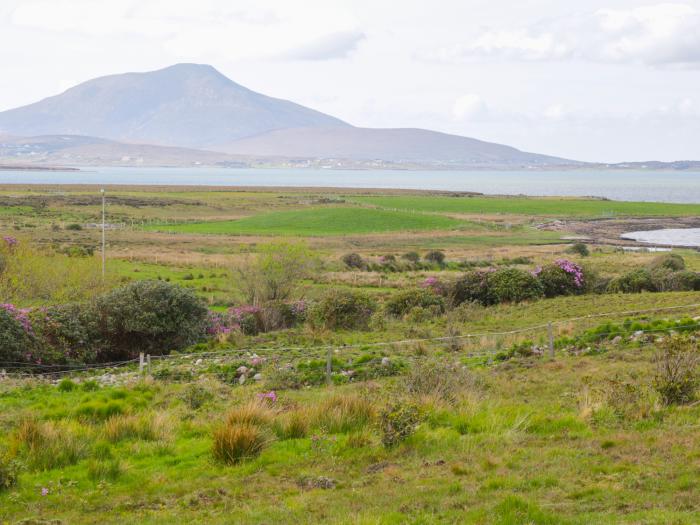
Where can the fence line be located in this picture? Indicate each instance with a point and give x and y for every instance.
(335, 348)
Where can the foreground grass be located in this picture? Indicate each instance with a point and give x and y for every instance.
(563, 207)
(517, 448)
(318, 222)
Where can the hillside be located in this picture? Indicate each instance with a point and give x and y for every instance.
(398, 145)
(186, 105)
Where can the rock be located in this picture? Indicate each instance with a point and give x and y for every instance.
(241, 379)
(242, 370)
(386, 361)
(198, 362)
(617, 340)
(257, 377)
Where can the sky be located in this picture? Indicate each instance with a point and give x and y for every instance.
(600, 80)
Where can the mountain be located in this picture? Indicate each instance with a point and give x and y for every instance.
(72, 150)
(195, 107)
(188, 105)
(395, 145)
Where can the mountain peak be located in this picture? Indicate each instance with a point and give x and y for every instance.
(186, 104)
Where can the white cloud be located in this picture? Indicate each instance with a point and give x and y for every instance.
(333, 45)
(469, 106)
(661, 34)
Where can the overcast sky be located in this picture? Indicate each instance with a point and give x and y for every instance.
(596, 80)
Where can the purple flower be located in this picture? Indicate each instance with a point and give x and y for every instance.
(271, 395)
(10, 241)
(572, 269)
(21, 315)
(44, 491)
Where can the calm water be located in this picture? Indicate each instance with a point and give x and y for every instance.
(664, 186)
(669, 236)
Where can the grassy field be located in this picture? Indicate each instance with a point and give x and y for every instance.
(495, 432)
(319, 222)
(570, 207)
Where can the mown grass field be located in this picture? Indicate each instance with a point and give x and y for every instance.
(570, 207)
(318, 222)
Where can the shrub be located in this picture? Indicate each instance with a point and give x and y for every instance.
(666, 280)
(668, 261)
(412, 257)
(435, 257)
(344, 309)
(277, 315)
(353, 260)
(401, 303)
(150, 316)
(66, 385)
(194, 396)
(9, 471)
(636, 281)
(67, 333)
(74, 227)
(274, 273)
(234, 443)
(248, 319)
(579, 248)
(398, 421)
(440, 378)
(342, 413)
(562, 277)
(511, 285)
(472, 287)
(676, 377)
(15, 338)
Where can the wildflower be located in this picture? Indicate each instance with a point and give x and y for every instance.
(10, 241)
(572, 269)
(271, 395)
(44, 491)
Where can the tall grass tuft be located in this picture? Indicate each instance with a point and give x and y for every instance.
(145, 427)
(48, 445)
(252, 413)
(343, 413)
(237, 442)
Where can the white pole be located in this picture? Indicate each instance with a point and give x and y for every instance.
(103, 234)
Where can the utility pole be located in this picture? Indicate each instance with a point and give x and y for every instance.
(102, 191)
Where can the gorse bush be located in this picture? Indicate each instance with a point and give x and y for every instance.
(344, 309)
(403, 302)
(398, 421)
(149, 316)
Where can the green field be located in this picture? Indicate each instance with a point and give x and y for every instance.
(531, 206)
(319, 222)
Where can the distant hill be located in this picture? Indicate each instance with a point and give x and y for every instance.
(195, 107)
(187, 105)
(396, 145)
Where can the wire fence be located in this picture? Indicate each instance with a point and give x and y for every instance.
(477, 345)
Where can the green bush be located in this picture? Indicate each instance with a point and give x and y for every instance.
(398, 421)
(353, 260)
(579, 248)
(344, 309)
(636, 281)
(472, 287)
(67, 333)
(556, 281)
(668, 261)
(666, 280)
(15, 341)
(412, 257)
(149, 316)
(9, 472)
(511, 285)
(401, 303)
(435, 257)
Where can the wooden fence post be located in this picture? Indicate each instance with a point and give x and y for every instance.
(142, 362)
(148, 363)
(329, 366)
(550, 335)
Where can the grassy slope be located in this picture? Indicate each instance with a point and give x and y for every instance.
(319, 222)
(531, 206)
(517, 451)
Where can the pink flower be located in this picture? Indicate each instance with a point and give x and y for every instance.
(271, 395)
(44, 491)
